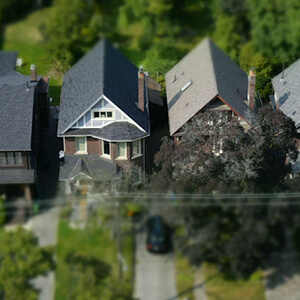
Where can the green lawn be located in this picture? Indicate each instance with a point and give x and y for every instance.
(25, 37)
(219, 287)
(94, 241)
(184, 277)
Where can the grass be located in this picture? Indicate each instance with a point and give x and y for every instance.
(94, 241)
(219, 287)
(25, 37)
(184, 277)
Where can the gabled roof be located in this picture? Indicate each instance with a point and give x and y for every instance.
(93, 166)
(203, 74)
(287, 91)
(8, 62)
(102, 71)
(16, 114)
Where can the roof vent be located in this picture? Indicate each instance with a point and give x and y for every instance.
(186, 86)
(175, 78)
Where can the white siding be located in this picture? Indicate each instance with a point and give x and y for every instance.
(103, 105)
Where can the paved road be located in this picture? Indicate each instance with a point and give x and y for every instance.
(154, 273)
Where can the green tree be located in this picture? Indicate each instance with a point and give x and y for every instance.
(21, 260)
(275, 27)
(2, 211)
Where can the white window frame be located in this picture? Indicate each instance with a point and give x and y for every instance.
(104, 154)
(121, 157)
(103, 111)
(85, 145)
(140, 149)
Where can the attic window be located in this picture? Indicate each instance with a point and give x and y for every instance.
(186, 86)
(102, 115)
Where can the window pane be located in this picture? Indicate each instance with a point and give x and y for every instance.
(2, 159)
(103, 114)
(18, 158)
(10, 158)
(109, 114)
(80, 144)
(96, 114)
(106, 149)
(136, 148)
(121, 149)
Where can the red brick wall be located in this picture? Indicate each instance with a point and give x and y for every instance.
(93, 146)
(70, 147)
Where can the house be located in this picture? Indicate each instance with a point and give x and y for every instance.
(207, 79)
(286, 87)
(23, 116)
(103, 118)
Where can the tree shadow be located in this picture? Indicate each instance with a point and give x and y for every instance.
(79, 264)
(193, 287)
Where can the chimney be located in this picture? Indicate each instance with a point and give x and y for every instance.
(251, 89)
(141, 94)
(33, 76)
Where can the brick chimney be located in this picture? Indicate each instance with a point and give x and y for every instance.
(33, 75)
(251, 89)
(141, 94)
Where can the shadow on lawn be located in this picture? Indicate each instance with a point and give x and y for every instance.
(194, 287)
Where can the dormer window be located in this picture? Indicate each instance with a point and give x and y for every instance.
(103, 115)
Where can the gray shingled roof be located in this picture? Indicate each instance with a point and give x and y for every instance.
(8, 62)
(99, 169)
(16, 117)
(16, 176)
(114, 132)
(287, 91)
(211, 73)
(13, 78)
(102, 71)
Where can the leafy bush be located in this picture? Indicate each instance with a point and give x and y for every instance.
(2, 211)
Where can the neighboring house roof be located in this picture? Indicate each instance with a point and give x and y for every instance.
(99, 169)
(114, 132)
(287, 91)
(13, 78)
(8, 62)
(16, 117)
(16, 176)
(205, 72)
(102, 71)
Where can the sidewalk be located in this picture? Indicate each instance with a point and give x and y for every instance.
(283, 279)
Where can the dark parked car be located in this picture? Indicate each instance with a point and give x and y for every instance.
(158, 237)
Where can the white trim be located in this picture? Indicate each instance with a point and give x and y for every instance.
(111, 141)
(140, 148)
(64, 143)
(122, 157)
(85, 144)
(102, 110)
(130, 120)
(80, 116)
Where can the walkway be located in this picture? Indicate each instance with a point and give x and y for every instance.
(45, 228)
(283, 279)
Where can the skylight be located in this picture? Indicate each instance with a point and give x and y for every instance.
(186, 86)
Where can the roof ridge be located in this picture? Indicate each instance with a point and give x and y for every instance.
(210, 44)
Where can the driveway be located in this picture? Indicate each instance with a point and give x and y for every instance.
(44, 226)
(154, 273)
